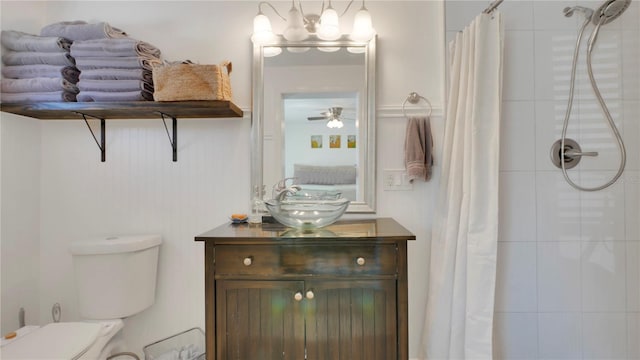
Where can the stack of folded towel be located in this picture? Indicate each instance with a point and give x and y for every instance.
(115, 69)
(37, 68)
(113, 66)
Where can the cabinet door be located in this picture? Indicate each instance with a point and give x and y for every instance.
(259, 320)
(351, 320)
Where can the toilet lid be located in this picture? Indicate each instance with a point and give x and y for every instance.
(53, 341)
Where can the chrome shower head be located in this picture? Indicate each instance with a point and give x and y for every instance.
(588, 13)
(609, 11)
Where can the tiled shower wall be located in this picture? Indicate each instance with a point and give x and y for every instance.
(568, 282)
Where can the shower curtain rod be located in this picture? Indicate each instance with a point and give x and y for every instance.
(492, 6)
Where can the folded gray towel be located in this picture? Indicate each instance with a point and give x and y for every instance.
(113, 85)
(88, 63)
(114, 47)
(37, 85)
(30, 97)
(81, 30)
(33, 58)
(107, 96)
(418, 148)
(69, 73)
(20, 41)
(117, 74)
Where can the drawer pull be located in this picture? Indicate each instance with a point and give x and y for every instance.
(360, 261)
(310, 294)
(248, 261)
(298, 296)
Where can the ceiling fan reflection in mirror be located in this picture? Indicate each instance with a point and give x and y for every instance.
(333, 116)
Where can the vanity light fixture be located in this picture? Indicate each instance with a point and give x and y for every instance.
(325, 26)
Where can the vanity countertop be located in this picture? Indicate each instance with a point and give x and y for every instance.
(380, 229)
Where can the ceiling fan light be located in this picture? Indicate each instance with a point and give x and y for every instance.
(334, 124)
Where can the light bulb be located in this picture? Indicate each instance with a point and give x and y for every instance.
(295, 30)
(262, 32)
(329, 25)
(335, 124)
(362, 26)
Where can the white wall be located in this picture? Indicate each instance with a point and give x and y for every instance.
(20, 209)
(568, 261)
(138, 189)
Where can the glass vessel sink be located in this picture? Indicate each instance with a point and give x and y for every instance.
(306, 212)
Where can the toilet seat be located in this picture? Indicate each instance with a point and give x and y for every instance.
(69, 340)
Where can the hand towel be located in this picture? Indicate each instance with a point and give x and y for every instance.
(114, 85)
(113, 47)
(39, 84)
(81, 30)
(20, 41)
(31, 97)
(117, 74)
(33, 58)
(69, 73)
(133, 62)
(107, 96)
(418, 148)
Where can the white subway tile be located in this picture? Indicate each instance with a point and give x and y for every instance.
(602, 214)
(518, 79)
(559, 276)
(557, 208)
(549, 15)
(517, 136)
(517, 209)
(559, 336)
(603, 276)
(604, 336)
(516, 336)
(516, 277)
(633, 276)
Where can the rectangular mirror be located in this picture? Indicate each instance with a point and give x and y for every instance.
(314, 117)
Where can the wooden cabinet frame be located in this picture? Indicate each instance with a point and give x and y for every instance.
(356, 311)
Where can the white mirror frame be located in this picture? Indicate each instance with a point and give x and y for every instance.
(366, 169)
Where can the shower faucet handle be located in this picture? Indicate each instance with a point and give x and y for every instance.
(572, 152)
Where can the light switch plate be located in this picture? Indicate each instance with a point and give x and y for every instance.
(393, 180)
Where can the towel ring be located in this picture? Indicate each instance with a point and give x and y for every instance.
(414, 98)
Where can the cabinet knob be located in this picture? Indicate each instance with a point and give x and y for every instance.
(247, 261)
(298, 296)
(360, 261)
(310, 294)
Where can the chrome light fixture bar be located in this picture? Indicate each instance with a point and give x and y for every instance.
(300, 26)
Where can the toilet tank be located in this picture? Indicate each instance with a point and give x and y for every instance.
(115, 276)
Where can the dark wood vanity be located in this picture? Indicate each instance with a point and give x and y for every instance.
(338, 293)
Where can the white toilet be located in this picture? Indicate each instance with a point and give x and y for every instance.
(115, 278)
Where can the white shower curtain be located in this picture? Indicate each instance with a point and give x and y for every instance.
(459, 316)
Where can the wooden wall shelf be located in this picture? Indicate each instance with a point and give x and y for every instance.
(124, 110)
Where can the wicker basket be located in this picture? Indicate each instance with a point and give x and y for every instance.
(182, 82)
(189, 344)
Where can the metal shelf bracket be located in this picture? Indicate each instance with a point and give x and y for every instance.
(102, 143)
(172, 140)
